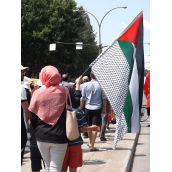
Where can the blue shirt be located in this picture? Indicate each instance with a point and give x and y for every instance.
(81, 123)
(92, 94)
(61, 84)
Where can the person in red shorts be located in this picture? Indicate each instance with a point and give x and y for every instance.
(73, 156)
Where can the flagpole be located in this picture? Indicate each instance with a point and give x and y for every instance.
(83, 74)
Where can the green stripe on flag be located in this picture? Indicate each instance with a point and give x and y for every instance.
(128, 110)
(127, 49)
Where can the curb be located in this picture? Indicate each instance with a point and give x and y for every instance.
(129, 165)
(128, 168)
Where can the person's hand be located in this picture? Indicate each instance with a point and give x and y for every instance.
(93, 128)
(104, 111)
(79, 80)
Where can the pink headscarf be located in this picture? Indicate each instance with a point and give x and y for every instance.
(48, 102)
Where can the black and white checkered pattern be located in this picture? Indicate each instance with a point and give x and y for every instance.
(111, 70)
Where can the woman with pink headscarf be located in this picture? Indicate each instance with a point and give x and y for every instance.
(48, 117)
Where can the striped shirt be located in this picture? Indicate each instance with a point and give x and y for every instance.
(81, 123)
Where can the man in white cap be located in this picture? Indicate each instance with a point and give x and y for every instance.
(85, 79)
(24, 108)
(25, 77)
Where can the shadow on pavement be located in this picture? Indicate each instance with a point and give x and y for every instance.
(123, 149)
(28, 146)
(144, 133)
(25, 161)
(140, 155)
(105, 148)
(109, 136)
(93, 162)
(110, 131)
(109, 139)
(127, 139)
(88, 150)
(145, 126)
(140, 143)
(26, 151)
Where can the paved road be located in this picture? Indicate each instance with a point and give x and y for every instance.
(27, 150)
(141, 160)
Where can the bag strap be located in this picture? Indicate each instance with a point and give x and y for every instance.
(69, 99)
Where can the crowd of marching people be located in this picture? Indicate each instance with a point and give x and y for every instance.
(44, 103)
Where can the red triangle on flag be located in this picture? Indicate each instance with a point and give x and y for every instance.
(131, 35)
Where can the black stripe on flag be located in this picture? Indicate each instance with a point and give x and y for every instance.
(140, 63)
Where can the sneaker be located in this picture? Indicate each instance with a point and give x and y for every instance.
(113, 122)
(103, 139)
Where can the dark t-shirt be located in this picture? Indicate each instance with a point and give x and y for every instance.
(57, 133)
(28, 96)
(32, 138)
(23, 127)
(48, 133)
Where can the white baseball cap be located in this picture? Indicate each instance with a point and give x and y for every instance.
(85, 78)
(39, 83)
(24, 68)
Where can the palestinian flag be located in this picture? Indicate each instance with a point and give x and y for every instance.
(120, 73)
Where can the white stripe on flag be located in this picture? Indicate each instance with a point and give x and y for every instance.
(134, 91)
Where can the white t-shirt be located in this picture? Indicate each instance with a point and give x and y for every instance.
(23, 93)
(25, 79)
(23, 98)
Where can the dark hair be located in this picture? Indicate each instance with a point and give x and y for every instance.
(31, 86)
(64, 77)
(71, 89)
(72, 80)
(92, 75)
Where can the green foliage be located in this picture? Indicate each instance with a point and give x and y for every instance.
(48, 21)
(145, 72)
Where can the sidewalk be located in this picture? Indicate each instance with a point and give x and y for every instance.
(106, 159)
(141, 159)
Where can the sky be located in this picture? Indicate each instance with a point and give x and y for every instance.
(116, 20)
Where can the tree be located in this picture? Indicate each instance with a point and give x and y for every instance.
(145, 72)
(48, 21)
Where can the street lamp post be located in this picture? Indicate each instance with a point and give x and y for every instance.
(99, 24)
